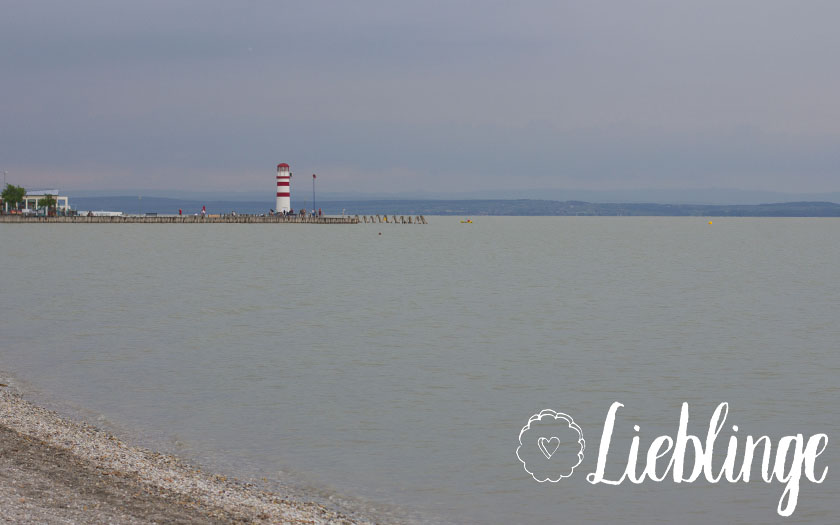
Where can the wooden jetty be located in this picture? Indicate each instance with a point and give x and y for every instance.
(214, 219)
(376, 219)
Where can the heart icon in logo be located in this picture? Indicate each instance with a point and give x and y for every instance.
(548, 446)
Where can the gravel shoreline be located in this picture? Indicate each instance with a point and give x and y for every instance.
(55, 470)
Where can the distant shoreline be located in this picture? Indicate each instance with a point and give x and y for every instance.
(501, 207)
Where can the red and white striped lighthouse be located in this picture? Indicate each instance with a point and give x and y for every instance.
(284, 201)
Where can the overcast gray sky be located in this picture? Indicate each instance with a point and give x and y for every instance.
(439, 96)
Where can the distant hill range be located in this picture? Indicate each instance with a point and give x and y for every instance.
(161, 205)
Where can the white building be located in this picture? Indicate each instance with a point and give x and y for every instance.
(30, 200)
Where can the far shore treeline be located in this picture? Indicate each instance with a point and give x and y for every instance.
(528, 207)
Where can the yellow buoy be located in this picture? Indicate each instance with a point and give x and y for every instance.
(710, 222)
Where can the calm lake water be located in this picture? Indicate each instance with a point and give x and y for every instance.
(399, 369)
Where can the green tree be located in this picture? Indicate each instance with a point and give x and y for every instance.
(13, 195)
(48, 201)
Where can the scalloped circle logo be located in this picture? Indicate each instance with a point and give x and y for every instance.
(551, 445)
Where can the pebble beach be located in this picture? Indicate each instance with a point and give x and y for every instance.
(57, 470)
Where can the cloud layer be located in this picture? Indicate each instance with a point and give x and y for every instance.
(378, 96)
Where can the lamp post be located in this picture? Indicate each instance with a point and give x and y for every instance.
(313, 195)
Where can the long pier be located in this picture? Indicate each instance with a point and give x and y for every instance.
(215, 219)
